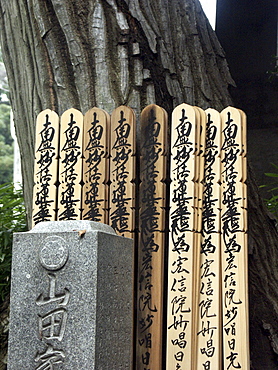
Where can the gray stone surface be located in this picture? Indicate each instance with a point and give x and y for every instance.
(71, 298)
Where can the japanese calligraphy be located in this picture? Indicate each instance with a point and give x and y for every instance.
(70, 176)
(61, 298)
(49, 358)
(52, 320)
(206, 192)
(180, 275)
(151, 238)
(95, 165)
(122, 189)
(46, 166)
(209, 313)
(234, 258)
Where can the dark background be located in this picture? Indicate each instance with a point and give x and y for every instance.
(247, 31)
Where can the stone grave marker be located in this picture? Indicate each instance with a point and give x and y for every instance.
(71, 298)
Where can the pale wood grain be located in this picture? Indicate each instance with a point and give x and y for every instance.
(209, 345)
(123, 171)
(151, 239)
(70, 168)
(180, 316)
(234, 279)
(96, 137)
(46, 167)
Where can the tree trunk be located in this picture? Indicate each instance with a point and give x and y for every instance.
(84, 53)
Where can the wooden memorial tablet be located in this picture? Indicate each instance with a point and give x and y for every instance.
(180, 320)
(46, 167)
(245, 223)
(234, 261)
(122, 171)
(151, 239)
(209, 333)
(70, 168)
(198, 180)
(244, 166)
(96, 137)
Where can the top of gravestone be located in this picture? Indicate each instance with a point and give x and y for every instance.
(67, 226)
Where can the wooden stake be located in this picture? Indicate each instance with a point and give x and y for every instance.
(245, 205)
(209, 348)
(235, 305)
(244, 166)
(180, 321)
(122, 170)
(96, 137)
(70, 171)
(151, 239)
(46, 167)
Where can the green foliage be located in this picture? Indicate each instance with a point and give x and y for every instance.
(5, 131)
(272, 202)
(6, 145)
(6, 140)
(12, 219)
(4, 88)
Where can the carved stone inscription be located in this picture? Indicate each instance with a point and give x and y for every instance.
(151, 239)
(234, 259)
(46, 167)
(180, 275)
(52, 320)
(54, 253)
(96, 166)
(122, 169)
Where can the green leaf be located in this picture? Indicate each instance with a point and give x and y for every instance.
(269, 174)
(12, 219)
(274, 165)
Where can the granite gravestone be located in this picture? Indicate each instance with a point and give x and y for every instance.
(71, 298)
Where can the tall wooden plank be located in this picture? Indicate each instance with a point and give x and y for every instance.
(70, 168)
(198, 181)
(245, 205)
(122, 171)
(235, 305)
(244, 164)
(151, 239)
(209, 348)
(96, 138)
(180, 320)
(46, 167)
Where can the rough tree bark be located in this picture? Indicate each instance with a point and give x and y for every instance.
(84, 53)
